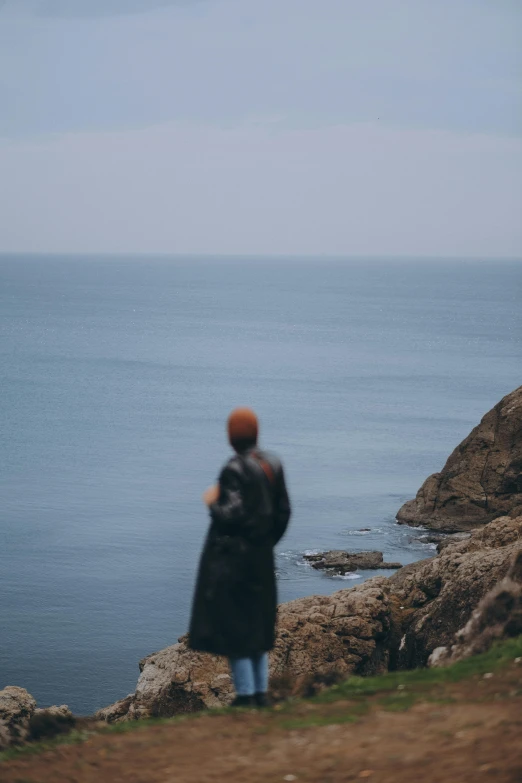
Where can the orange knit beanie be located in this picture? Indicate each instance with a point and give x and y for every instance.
(242, 428)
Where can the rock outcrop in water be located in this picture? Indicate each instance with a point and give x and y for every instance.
(482, 478)
(339, 562)
(385, 623)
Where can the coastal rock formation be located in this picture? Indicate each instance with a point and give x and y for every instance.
(498, 616)
(385, 623)
(451, 539)
(340, 562)
(439, 595)
(442, 540)
(49, 722)
(482, 478)
(351, 631)
(21, 721)
(16, 709)
(172, 681)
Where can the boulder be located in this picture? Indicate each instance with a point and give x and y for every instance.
(21, 721)
(441, 539)
(62, 711)
(482, 478)
(439, 595)
(117, 712)
(17, 706)
(173, 681)
(498, 616)
(451, 539)
(431, 538)
(340, 562)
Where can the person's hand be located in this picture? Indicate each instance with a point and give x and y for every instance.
(211, 495)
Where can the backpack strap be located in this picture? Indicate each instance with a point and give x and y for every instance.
(265, 465)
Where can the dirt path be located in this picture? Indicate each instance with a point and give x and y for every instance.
(460, 733)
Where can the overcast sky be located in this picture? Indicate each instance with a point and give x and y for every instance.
(379, 127)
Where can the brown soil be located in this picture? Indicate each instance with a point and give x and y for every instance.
(460, 733)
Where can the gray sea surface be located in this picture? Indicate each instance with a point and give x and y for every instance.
(116, 377)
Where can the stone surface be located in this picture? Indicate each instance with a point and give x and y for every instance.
(451, 539)
(431, 538)
(439, 595)
(482, 478)
(62, 711)
(441, 539)
(21, 721)
(498, 616)
(118, 711)
(17, 706)
(339, 562)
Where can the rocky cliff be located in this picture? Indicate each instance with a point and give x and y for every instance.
(440, 595)
(21, 720)
(385, 623)
(498, 616)
(482, 478)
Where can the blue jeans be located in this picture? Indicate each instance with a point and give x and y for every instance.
(250, 675)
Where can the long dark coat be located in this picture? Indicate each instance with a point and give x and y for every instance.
(235, 601)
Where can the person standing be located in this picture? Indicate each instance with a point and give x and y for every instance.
(235, 600)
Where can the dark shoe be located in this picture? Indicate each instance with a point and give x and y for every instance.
(244, 701)
(262, 700)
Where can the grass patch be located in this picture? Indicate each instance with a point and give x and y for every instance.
(398, 691)
(356, 688)
(73, 738)
(398, 702)
(77, 736)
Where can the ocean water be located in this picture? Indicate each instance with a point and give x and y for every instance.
(116, 377)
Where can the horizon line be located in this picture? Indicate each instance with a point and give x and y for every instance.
(249, 255)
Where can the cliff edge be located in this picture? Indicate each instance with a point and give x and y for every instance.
(384, 624)
(482, 478)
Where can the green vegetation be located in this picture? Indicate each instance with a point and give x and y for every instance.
(398, 691)
(346, 702)
(31, 748)
(362, 687)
